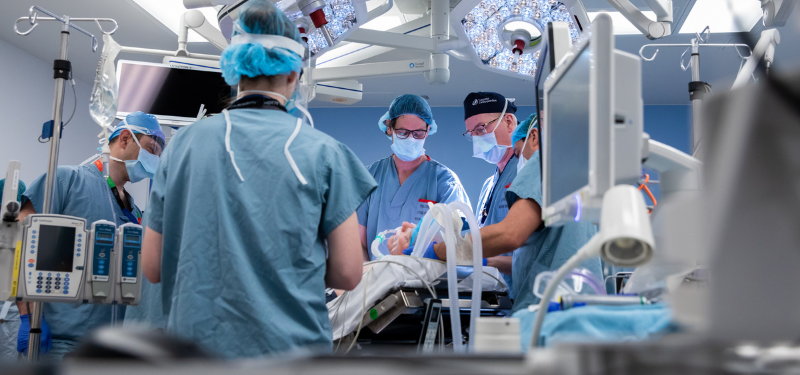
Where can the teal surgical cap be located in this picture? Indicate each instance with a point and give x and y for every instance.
(522, 130)
(408, 104)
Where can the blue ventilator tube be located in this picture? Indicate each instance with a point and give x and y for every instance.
(570, 301)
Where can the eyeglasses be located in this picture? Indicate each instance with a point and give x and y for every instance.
(479, 130)
(403, 133)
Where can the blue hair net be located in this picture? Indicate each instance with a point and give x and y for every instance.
(522, 130)
(253, 60)
(408, 104)
(141, 123)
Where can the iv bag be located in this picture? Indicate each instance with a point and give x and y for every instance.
(103, 102)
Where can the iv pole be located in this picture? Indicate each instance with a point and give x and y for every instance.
(62, 72)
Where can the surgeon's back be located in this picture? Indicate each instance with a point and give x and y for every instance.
(243, 262)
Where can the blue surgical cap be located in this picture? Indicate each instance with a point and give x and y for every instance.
(253, 60)
(141, 123)
(408, 104)
(522, 130)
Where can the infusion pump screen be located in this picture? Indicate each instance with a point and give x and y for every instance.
(56, 246)
(166, 91)
(569, 129)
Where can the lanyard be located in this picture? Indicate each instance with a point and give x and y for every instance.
(258, 102)
(488, 204)
(136, 219)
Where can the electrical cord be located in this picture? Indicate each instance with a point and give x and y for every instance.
(74, 107)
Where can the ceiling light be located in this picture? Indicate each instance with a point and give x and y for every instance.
(621, 24)
(505, 35)
(169, 13)
(721, 16)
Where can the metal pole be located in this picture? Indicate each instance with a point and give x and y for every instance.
(50, 186)
(697, 126)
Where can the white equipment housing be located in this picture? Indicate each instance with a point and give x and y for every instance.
(128, 290)
(776, 12)
(9, 233)
(612, 104)
(659, 28)
(339, 92)
(53, 258)
(100, 271)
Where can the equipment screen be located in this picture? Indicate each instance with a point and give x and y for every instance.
(56, 245)
(106, 236)
(132, 238)
(569, 129)
(162, 90)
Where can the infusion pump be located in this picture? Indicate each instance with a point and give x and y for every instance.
(59, 259)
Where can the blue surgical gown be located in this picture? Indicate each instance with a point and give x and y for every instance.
(496, 209)
(548, 248)
(83, 192)
(243, 263)
(392, 204)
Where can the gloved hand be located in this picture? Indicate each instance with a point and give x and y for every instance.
(429, 253)
(46, 341)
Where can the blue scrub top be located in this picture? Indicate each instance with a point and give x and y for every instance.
(392, 204)
(497, 209)
(548, 248)
(81, 191)
(243, 263)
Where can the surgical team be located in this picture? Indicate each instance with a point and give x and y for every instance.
(253, 213)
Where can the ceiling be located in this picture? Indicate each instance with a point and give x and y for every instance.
(663, 80)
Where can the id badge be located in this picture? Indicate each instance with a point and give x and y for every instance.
(422, 209)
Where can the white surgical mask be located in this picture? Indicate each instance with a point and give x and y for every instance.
(485, 146)
(408, 149)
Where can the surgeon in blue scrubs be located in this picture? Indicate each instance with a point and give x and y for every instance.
(490, 121)
(252, 212)
(82, 191)
(538, 248)
(408, 179)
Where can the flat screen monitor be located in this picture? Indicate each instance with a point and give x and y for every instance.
(56, 247)
(569, 129)
(577, 129)
(172, 94)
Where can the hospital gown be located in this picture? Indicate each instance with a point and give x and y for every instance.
(548, 248)
(243, 263)
(392, 204)
(81, 191)
(496, 209)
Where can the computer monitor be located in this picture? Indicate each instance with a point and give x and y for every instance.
(171, 93)
(577, 129)
(591, 127)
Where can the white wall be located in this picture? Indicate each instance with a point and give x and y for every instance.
(26, 102)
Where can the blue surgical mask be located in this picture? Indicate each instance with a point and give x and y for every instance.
(408, 149)
(485, 146)
(143, 167)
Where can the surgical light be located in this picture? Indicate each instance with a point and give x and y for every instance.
(505, 35)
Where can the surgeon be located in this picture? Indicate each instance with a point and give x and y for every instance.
(408, 179)
(538, 248)
(490, 121)
(252, 213)
(82, 191)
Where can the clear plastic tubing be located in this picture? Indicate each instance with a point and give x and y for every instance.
(477, 267)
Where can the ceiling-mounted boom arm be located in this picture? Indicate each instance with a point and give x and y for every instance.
(659, 28)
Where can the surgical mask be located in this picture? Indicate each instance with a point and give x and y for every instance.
(522, 160)
(298, 105)
(408, 149)
(143, 167)
(485, 146)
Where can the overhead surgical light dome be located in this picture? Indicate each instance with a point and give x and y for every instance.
(505, 35)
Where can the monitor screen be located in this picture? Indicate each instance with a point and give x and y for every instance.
(165, 91)
(569, 129)
(56, 245)
(106, 236)
(132, 238)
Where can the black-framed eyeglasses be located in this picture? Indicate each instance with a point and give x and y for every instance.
(479, 130)
(404, 133)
